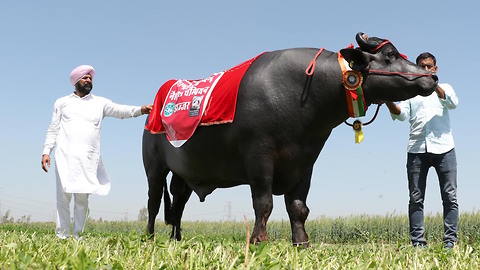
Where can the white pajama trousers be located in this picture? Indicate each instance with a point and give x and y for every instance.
(80, 212)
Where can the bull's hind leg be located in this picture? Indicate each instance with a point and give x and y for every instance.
(156, 184)
(295, 202)
(181, 193)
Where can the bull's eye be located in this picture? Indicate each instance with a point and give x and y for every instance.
(392, 55)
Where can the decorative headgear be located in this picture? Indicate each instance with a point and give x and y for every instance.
(79, 72)
(373, 44)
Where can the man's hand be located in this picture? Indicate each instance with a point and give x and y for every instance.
(146, 109)
(45, 162)
(393, 108)
(440, 92)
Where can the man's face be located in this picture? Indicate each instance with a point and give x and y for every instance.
(428, 65)
(85, 85)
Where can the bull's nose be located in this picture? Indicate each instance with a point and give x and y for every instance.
(435, 77)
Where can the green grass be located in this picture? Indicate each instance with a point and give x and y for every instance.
(357, 242)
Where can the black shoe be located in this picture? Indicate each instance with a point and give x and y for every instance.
(449, 245)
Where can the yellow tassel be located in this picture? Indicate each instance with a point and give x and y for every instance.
(358, 136)
(357, 127)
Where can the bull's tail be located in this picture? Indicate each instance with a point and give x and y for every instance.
(167, 204)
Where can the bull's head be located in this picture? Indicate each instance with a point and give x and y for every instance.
(388, 75)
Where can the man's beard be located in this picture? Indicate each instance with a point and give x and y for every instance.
(84, 89)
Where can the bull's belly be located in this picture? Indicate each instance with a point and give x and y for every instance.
(204, 175)
(204, 178)
(205, 186)
(223, 157)
(218, 173)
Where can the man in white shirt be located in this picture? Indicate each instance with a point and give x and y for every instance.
(75, 131)
(430, 145)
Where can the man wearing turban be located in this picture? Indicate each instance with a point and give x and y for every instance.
(75, 132)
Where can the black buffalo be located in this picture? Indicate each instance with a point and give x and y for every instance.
(282, 121)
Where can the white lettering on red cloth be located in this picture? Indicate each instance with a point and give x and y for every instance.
(184, 107)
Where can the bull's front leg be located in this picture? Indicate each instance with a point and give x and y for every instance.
(295, 202)
(262, 205)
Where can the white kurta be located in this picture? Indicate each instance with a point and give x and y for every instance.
(75, 131)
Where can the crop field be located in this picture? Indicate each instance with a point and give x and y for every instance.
(357, 242)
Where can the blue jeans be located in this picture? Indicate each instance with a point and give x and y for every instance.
(417, 168)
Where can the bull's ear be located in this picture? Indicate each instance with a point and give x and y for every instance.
(357, 59)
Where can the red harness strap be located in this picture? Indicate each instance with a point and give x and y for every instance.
(383, 72)
(311, 68)
(379, 46)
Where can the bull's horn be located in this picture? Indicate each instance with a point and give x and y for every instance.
(361, 38)
(367, 43)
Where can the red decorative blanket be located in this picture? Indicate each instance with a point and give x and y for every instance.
(181, 105)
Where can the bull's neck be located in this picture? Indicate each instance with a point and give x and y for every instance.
(328, 92)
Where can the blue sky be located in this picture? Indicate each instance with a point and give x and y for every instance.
(135, 46)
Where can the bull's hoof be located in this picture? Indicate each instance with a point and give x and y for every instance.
(258, 239)
(176, 233)
(176, 237)
(150, 236)
(302, 244)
